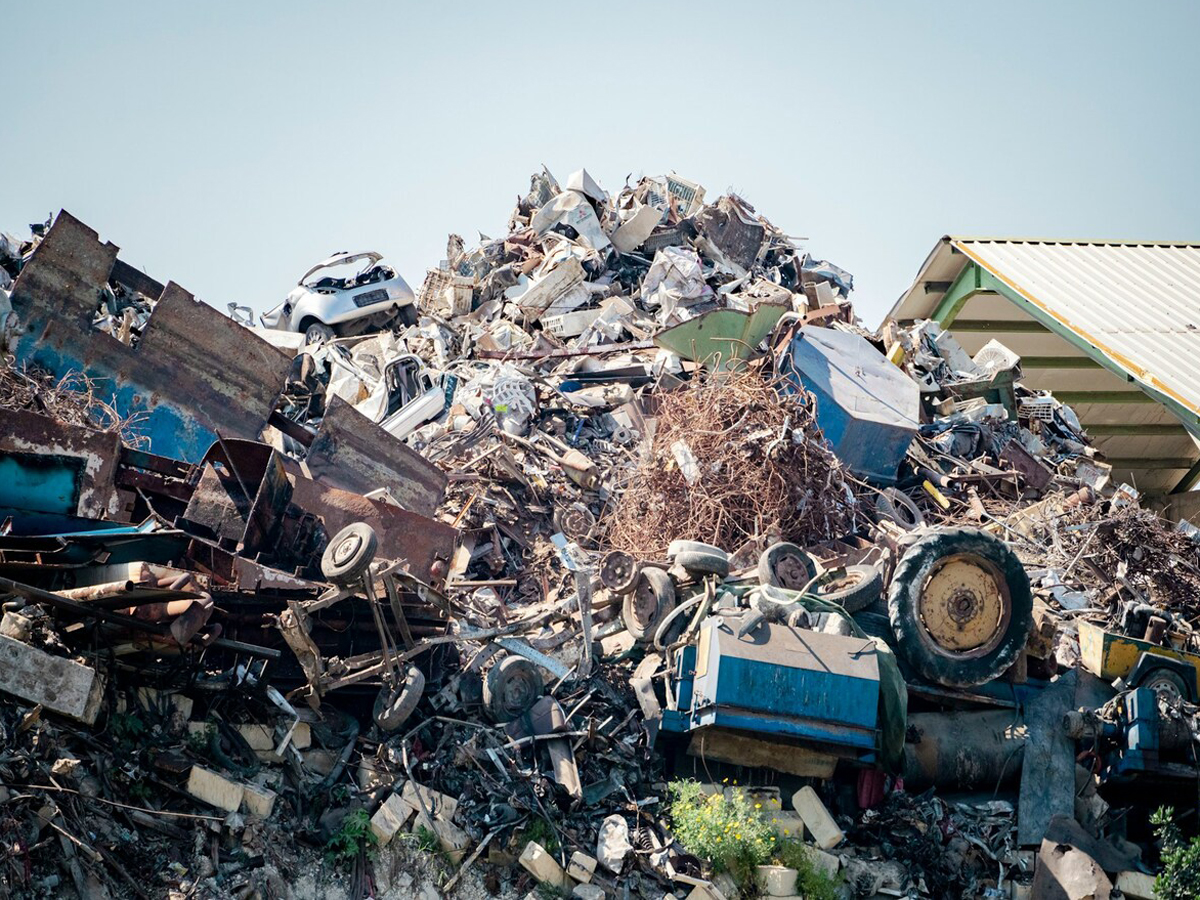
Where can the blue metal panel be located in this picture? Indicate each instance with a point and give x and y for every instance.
(868, 409)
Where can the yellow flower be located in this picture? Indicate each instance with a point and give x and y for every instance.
(758, 806)
(786, 832)
(738, 836)
(726, 781)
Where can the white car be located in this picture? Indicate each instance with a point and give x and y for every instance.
(323, 305)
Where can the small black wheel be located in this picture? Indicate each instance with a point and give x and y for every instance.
(857, 589)
(1166, 682)
(394, 706)
(512, 686)
(651, 601)
(787, 566)
(619, 572)
(960, 606)
(348, 555)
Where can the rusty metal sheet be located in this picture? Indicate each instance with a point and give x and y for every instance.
(83, 463)
(195, 371)
(353, 453)
(402, 534)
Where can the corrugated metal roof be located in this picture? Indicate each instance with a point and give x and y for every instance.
(1137, 303)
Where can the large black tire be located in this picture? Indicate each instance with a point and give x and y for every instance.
(857, 589)
(703, 562)
(787, 566)
(960, 607)
(652, 600)
(348, 555)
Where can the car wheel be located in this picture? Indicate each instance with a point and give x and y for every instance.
(960, 607)
(511, 687)
(652, 600)
(896, 506)
(349, 554)
(787, 566)
(857, 589)
(318, 333)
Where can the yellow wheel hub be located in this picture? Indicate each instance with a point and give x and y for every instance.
(964, 605)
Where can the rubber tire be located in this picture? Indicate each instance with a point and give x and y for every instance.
(860, 595)
(703, 562)
(494, 695)
(908, 631)
(349, 571)
(318, 332)
(676, 547)
(394, 708)
(1169, 675)
(893, 505)
(773, 555)
(660, 584)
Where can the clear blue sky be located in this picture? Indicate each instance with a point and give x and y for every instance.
(228, 146)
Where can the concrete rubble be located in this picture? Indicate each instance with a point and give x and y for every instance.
(620, 508)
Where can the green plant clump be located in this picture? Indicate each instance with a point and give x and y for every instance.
(811, 883)
(352, 838)
(1180, 877)
(730, 831)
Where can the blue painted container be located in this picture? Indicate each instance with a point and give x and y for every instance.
(783, 682)
(868, 409)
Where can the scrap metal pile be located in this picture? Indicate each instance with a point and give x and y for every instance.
(624, 497)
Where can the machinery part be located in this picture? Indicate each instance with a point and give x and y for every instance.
(963, 750)
(619, 572)
(787, 566)
(896, 506)
(703, 562)
(676, 547)
(1164, 675)
(318, 332)
(511, 687)
(648, 604)
(856, 589)
(349, 554)
(394, 705)
(960, 606)
(575, 521)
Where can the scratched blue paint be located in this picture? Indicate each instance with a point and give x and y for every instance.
(172, 431)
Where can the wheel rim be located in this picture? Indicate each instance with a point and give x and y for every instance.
(645, 604)
(617, 571)
(1167, 683)
(847, 582)
(518, 691)
(965, 606)
(346, 549)
(791, 571)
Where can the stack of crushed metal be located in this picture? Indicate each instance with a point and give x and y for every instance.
(624, 497)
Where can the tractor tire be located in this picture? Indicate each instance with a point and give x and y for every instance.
(960, 607)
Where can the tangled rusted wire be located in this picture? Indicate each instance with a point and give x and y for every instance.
(754, 463)
(72, 399)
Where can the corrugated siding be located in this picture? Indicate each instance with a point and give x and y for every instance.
(1139, 303)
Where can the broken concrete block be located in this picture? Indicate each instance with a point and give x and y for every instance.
(371, 778)
(541, 865)
(825, 863)
(262, 737)
(788, 824)
(423, 799)
(588, 892)
(215, 790)
(581, 867)
(816, 818)
(706, 891)
(16, 626)
(1067, 873)
(392, 815)
(777, 881)
(1137, 885)
(452, 839)
(61, 685)
(259, 801)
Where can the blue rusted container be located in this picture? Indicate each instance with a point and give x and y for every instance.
(868, 408)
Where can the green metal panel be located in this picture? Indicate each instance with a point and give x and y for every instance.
(998, 326)
(1102, 430)
(1058, 362)
(1074, 398)
(723, 338)
(965, 286)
